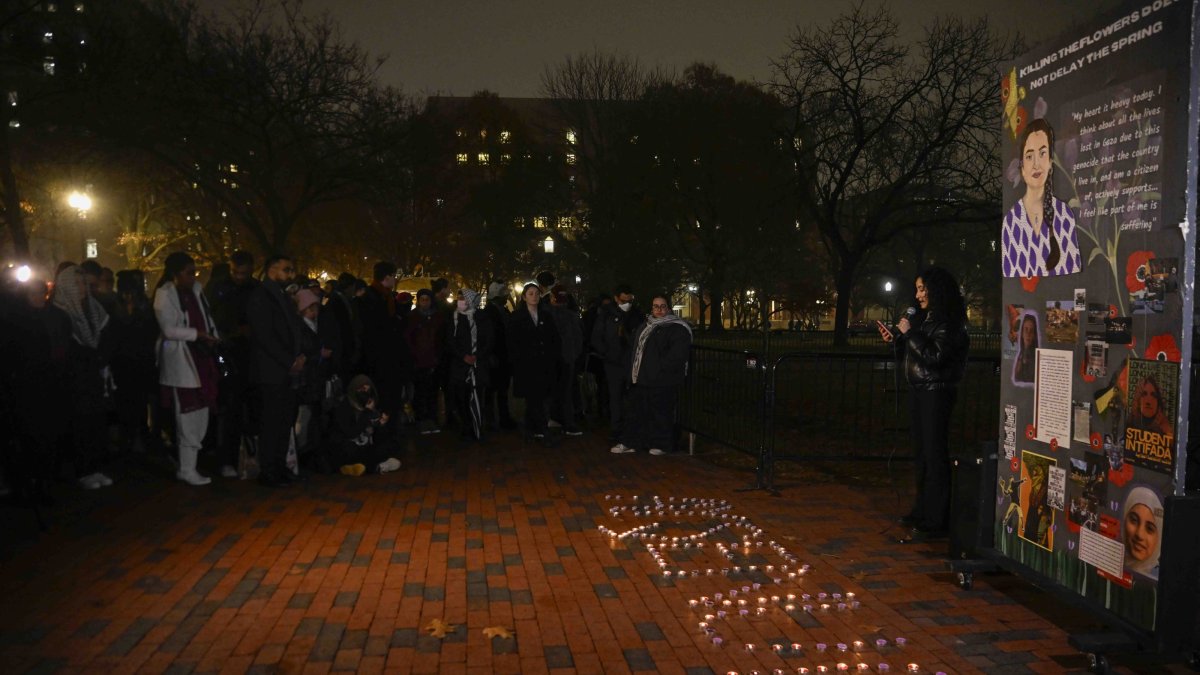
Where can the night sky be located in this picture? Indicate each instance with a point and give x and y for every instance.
(458, 47)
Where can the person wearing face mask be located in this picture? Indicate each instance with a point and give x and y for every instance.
(612, 340)
(425, 335)
(469, 349)
(187, 370)
(276, 365)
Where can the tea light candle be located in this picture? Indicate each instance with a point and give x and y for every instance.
(843, 667)
(914, 668)
(880, 643)
(900, 642)
(858, 645)
(841, 646)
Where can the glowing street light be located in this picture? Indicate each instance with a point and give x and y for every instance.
(80, 202)
(548, 245)
(887, 287)
(24, 273)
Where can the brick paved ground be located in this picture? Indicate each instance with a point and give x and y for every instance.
(347, 573)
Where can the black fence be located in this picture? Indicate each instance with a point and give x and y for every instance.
(822, 406)
(786, 341)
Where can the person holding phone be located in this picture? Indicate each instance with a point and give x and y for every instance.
(934, 343)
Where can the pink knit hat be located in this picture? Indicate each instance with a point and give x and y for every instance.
(306, 298)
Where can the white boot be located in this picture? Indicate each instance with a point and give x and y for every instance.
(187, 467)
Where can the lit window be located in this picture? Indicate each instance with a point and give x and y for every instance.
(48, 65)
(233, 186)
(14, 124)
(12, 98)
(505, 158)
(460, 133)
(540, 222)
(519, 221)
(483, 134)
(483, 158)
(79, 8)
(564, 222)
(233, 168)
(570, 136)
(51, 6)
(571, 158)
(47, 37)
(505, 137)
(571, 179)
(439, 201)
(463, 158)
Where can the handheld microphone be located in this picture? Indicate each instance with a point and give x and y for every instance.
(908, 314)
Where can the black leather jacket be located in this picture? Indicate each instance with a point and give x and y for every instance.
(935, 353)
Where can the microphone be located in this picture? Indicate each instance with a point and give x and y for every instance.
(908, 314)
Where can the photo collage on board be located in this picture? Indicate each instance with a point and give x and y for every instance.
(1092, 319)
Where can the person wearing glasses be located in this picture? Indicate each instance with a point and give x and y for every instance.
(276, 365)
(659, 364)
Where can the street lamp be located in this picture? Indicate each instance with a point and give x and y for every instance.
(548, 245)
(887, 287)
(80, 202)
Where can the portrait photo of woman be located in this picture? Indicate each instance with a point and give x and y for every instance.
(1142, 529)
(1148, 412)
(1025, 364)
(1039, 237)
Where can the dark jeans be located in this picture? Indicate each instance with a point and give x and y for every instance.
(232, 418)
(565, 390)
(460, 398)
(535, 413)
(930, 419)
(425, 394)
(497, 397)
(617, 380)
(650, 420)
(278, 415)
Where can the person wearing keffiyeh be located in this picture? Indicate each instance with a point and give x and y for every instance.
(88, 372)
(469, 344)
(659, 364)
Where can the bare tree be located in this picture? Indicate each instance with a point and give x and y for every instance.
(890, 136)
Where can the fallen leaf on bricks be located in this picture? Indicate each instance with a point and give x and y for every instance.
(497, 632)
(438, 628)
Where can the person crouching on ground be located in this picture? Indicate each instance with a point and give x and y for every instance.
(187, 371)
(357, 444)
(660, 358)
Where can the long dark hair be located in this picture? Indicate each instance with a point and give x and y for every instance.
(944, 296)
(1043, 126)
(172, 266)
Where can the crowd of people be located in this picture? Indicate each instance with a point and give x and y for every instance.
(276, 375)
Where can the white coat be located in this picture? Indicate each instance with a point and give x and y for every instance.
(175, 365)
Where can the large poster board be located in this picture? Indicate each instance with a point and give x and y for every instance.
(1098, 264)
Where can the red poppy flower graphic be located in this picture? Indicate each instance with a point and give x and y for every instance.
(1163, 348)
(1030, 432)
(1138, 261)
(1014, 464)
(1112, 311)
(1029, 283)
(1120, 477)
(1097, 440)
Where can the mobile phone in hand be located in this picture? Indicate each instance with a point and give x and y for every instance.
(887, 331)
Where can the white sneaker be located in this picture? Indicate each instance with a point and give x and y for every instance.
(391, 464)
(621, 449)
(192, 478)
(90, 482)
(657, 452)
(228, 471)
(553, 425)
(102, 479)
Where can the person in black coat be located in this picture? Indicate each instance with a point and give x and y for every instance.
(276, 367)
(135, 332)
(533, 351)
(657, 369)
(470, 338)
(228, 299)
(386, 355)
(499, 370)
(934, 345)
(616, 325)
(357, 442)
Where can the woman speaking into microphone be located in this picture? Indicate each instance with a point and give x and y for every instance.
(934, 341)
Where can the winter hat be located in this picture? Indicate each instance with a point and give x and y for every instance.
(497, 289)
(404, 298)
(425, 292)
(471, 297)
(305, 298)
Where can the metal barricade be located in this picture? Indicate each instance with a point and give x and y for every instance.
(722, 398)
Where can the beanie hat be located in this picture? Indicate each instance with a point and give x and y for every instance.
(426, 292)
(305, 299)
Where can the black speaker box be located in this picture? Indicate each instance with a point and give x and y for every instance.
(972, 501)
